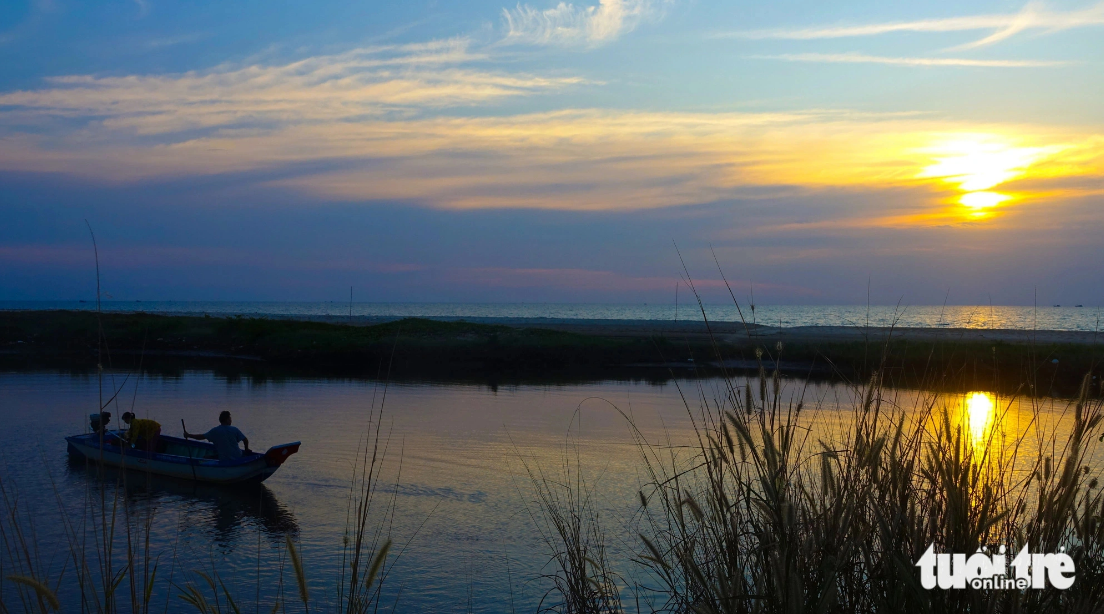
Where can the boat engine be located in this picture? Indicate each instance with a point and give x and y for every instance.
(99, 421)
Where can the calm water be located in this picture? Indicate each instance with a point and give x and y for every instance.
(1028, 318)
(462, 498)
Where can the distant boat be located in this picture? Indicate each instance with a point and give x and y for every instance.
(180, 458)
(1078, 305)
(1057, 305)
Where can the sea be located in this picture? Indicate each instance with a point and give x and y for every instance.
(1055, 317)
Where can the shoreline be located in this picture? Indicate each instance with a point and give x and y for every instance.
(537, 349)
(645, 328)
(944, 317)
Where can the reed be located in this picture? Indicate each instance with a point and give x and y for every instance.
(760, 519)
(774, 508)
(774, 513)
(107, 542)
(582, 579)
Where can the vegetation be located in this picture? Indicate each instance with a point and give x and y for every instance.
(420, 348)
(581, 576)
(772, 511)
(772, 508)
(412, 346)
(110, 567)
(773, 515)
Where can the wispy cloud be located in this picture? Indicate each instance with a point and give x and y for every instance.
(161, 42)
(575, 160)
(367, 125)
(568, 24)
(581, 160)
(860, 58)
(1033, 16)
(352, 85)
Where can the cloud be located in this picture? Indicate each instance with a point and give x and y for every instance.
(160, 42)
(1033, 16)
(356, 84)
(367, 126)
(1030, 16)
(585, 160)
(570, 25)
(860, 58)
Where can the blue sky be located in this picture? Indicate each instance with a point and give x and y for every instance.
(482, 151)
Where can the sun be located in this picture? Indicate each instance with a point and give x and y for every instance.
(976, 163)
(980, 205)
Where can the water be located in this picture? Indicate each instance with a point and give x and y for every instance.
(1069, 318)
(461, 496)
(463, 501)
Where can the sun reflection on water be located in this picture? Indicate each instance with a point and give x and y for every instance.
(980, 414)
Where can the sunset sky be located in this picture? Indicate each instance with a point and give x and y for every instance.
(489, 151)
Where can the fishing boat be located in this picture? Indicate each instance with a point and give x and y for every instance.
(179, 458)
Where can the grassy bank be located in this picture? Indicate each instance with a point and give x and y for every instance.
(419, 348)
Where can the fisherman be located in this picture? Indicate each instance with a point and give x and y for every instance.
(141, 433)
(225, 438)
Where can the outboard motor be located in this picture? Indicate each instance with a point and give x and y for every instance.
(99, 421)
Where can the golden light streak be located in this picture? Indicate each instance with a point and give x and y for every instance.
(980, 415)
(975, 163)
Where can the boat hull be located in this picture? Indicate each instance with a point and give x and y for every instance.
(180, 458)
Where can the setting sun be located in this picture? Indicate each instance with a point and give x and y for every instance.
(977, 163)
(982, 200)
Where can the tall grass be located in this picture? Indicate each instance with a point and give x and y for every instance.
(774, 507)
(761, 518)
(580, 573)
(110, 566)
(776, 511)
(107, 551)
(108, 536)
(780, 505)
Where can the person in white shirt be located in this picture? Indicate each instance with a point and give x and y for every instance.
(225, 438)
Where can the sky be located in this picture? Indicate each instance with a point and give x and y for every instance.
(595, 151)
